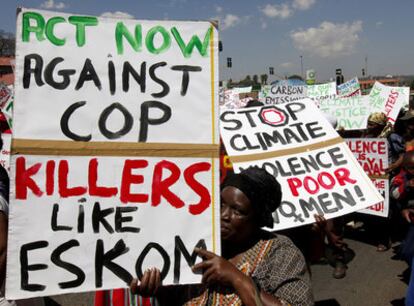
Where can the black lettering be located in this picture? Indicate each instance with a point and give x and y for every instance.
(347, 198)
(120, 219)
(161, 251)
(66, 73)
(55, 257)
(128, 121)
(64, 123)
(186, 76)
(146, 120)
(81, 219)
(88, 73)
(310, 205)
(106, 260)
(98, 217)
(190, 259)
(28, 70)
(313, 130)
(293, 108)
(165, 88)
(25, 267)
(248, 112)
(139, 78)
(237, 123)
(112, 77)
(325, 202)
(55, 227)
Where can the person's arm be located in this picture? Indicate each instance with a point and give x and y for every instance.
(217, 270)
(3, 245)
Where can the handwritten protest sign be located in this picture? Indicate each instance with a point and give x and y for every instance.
(107, 177)
(372, 154)
(230, 98)
(351, 112)
(281, 92)
(320, 92)
(349, 88)
(294, 142)
(388, 100)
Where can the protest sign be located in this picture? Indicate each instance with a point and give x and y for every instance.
(5, 152)
(107, 178)
(349, 88)
(321, 92)
(372, 154)
(295, 143)
(351, 112)
(388, 100)
(281, 92)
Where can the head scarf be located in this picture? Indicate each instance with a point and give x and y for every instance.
(261, 188)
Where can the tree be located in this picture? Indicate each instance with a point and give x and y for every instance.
(255, 79)
(7, 43)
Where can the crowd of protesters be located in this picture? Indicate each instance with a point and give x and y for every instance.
(262, 268)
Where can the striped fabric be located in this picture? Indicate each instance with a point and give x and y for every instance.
(121, 297)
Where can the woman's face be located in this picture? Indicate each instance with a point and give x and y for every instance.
(237, 216)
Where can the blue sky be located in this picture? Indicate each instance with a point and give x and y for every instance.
(328, 34)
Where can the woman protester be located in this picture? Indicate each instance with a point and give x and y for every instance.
(256, 267)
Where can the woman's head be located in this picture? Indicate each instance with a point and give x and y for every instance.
(248, 200)
(376, 123)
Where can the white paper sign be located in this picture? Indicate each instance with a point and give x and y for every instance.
(5, 152)
(388, 100)
(320, 92)
(349, 88)
(283, 91)
(294, 142)
(351, 112)
(372, 154)
(118, 124)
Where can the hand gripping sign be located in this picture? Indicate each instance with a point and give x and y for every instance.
(295, 143)
(106, 177)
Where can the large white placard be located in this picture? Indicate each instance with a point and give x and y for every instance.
(321, 92)
(372, 154)
(295, 143)
(109, 178)
(388, 100)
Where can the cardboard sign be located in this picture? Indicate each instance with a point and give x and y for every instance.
(351, 112)
(107, 178)
(388, 100)
(321, 92)
(294, 142)
(283, 91)
(349, 88)
(372, 154)
(234, 98)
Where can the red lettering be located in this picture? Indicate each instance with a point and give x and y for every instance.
(294, 184)
(128, 178)
(327, 175)
(161, 187)
(50, 177)
(64, 190)
(307, 185)
(342, 176)
(24, 180)
(202, 191)
(95, 190)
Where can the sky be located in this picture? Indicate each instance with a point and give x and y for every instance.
(288, 35)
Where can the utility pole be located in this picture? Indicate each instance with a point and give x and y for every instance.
(301, 66)
(366, 65)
